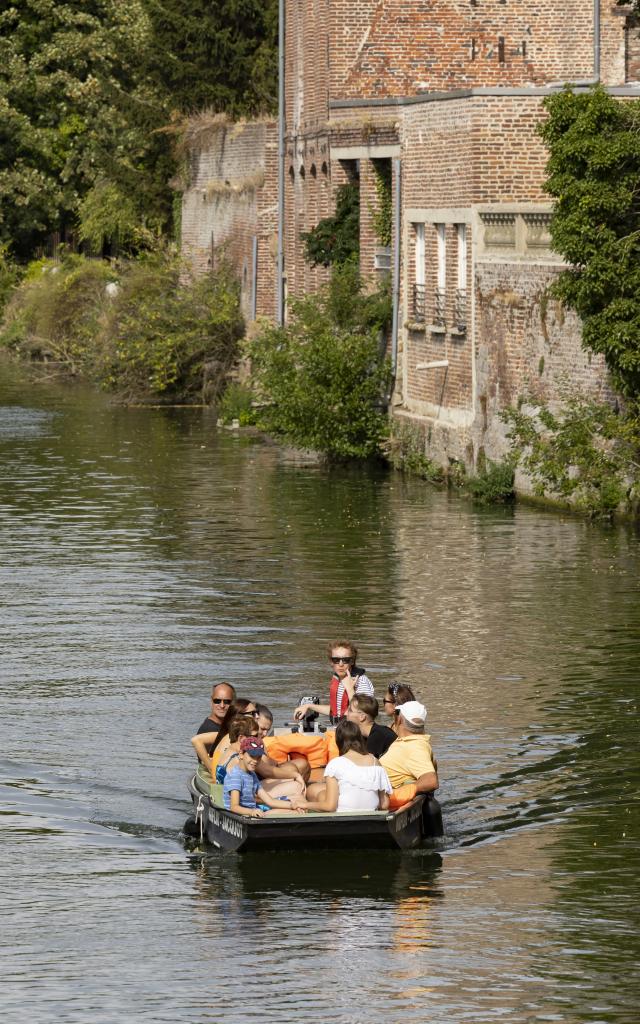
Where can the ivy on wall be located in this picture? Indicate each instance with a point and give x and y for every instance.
(382, 214)
(335, 240)
(593, 174)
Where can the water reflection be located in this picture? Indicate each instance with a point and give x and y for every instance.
(143, 554)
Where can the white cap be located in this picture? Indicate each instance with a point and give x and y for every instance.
(413, 711)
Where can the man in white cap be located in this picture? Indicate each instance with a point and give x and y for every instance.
(410, 758)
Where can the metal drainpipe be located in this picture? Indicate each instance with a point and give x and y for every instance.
(396, 266)
(254, 278)
(281, 129)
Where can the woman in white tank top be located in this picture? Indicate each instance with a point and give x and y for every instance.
(355, 781)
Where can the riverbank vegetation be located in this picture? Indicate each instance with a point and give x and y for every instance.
(141, 328)
(587, 452)
(322, 380)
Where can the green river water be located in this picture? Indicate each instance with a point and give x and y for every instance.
(144, 554)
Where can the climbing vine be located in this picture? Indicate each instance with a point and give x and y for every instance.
(382, 213)
(593, 174)
(335, 240)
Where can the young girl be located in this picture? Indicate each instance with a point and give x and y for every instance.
(243, 791)
(355, 781)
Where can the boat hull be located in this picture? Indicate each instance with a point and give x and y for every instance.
(406, 828)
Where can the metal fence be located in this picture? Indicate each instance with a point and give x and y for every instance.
(419, 303)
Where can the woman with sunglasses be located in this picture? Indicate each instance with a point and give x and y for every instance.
(215, 743)
(397, 694)
(242, 725)
(346, 680)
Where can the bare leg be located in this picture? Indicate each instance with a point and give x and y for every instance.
(277, 788)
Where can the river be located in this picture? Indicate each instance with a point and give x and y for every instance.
(145, 553)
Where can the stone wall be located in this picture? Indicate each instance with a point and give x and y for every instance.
(230, 207)
(454, 91)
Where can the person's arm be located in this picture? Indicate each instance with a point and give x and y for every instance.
(237, 808)
(280, 805)
(300, 712)
(268, 769)
(200, 743)
(383, 800)
(329, 802)
(427, 783)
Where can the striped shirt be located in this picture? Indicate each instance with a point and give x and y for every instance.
(363, 685)
(246, 784)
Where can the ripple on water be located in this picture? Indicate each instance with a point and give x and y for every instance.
(143, 555)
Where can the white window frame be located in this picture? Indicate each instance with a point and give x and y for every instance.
(420, 260)
(461, 231)
(441, 236)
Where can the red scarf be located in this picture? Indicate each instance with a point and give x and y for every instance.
(337, 712)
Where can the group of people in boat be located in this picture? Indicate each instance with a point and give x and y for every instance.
(361, 766)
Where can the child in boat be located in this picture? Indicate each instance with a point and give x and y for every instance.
(243, 791)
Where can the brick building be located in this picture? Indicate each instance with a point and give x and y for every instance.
(442, 97)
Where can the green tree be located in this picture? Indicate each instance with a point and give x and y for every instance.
(77, 112)
(594, 177)
(335, 240)
(323, 377)
(220, 56)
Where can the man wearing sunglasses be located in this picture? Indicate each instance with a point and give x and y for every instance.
(221, 697)
(347, 679)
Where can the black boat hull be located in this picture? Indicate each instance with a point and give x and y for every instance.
(406, 828)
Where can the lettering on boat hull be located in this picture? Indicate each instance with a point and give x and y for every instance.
(228, 825)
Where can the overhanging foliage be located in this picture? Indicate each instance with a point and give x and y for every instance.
(594, 178)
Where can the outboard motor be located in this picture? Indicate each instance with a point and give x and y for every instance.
(309, 716)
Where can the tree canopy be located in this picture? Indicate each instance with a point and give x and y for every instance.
(85, 85)
(220, 56)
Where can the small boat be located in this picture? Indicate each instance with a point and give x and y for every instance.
(406, 828)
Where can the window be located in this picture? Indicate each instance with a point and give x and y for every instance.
(440, 293)
(460, 311)
(418, 288)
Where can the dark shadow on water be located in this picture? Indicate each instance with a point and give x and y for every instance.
(321, 874)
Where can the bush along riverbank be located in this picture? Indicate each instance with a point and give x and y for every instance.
(141, 328)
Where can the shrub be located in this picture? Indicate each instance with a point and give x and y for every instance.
(586, 453)
(323, 376)
(155, 336)
(493, 483)
(166, 337)
(237, 404)
(55, 313)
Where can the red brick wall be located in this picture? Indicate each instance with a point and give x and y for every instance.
(632, 61)
(394, 48)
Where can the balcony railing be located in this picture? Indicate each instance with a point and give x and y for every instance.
(439, 307)
(419, 303)
(460, 309)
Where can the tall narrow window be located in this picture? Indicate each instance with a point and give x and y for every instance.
(439, 304)
(418, 288)
(461, 290)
